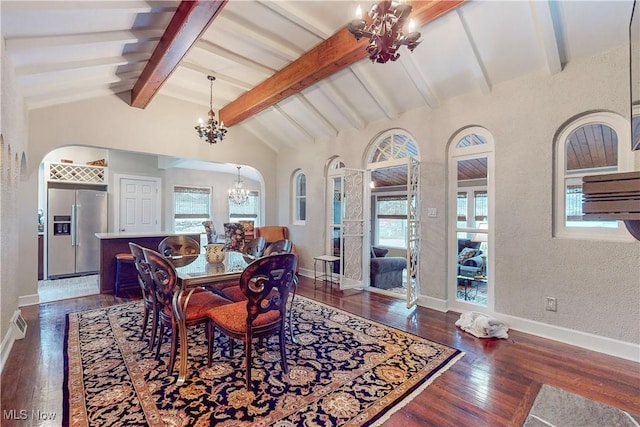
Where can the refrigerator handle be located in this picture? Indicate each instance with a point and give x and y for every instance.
(74, 212)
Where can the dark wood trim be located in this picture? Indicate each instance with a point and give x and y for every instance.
(192, 18)
(328, 57)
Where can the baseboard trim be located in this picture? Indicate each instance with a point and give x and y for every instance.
(5, 347)
(609, 346)
(612, 347)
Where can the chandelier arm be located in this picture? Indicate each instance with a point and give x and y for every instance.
(211, 132)
(385, 30)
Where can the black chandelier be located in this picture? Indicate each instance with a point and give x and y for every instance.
(210, 130)
(385, 30)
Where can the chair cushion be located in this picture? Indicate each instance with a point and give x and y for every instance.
(233, 317)
(234, 293)
(201, 302)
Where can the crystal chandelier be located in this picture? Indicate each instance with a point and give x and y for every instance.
(238, 195)
(210, 131)
(385, 30)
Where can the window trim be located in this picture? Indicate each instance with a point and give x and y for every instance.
(208, 190)
(625, 163)
(376, 216)
(297, 198)
(252, 217)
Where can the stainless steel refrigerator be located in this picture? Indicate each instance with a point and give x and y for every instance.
(74, 216)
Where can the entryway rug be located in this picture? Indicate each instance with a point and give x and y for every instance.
(344, 370)
(555, 407)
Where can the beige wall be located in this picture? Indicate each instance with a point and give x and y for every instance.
(165, 127)
(596, 283)
(13, 143)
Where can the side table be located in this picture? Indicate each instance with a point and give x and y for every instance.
(326, 275)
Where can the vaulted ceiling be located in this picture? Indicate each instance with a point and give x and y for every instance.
(65, 51)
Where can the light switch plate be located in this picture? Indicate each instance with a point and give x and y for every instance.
(432, 212)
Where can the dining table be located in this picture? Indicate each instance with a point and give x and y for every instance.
(193, 272)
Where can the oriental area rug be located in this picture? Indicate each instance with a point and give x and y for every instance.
(344, 370)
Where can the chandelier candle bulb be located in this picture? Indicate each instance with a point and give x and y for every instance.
(385, 30)
(211, 132)
(238, 195)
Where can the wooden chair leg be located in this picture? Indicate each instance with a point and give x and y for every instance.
(293, 336)
(247, 360)
(145, 320)
(210, 338)
(283, 350)
(160, 336)
(174, 347)
(154, 328)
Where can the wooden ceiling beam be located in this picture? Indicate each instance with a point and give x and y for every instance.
(328, 57)
(190, 20)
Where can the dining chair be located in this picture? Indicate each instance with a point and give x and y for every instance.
(266, 283)
(254, 247)
(235, 294)
(148, 289)
(282, 246)
(190, 306)
(178, 245)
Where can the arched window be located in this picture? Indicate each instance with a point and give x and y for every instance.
(393, 144)
(334, 206)
(590, 145)
(299, 197)
(471, 219)
(389, 187)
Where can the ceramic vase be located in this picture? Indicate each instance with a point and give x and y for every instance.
(215, 252)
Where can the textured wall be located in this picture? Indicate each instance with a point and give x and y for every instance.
(12, 161)
(596, 283)
(165, 127)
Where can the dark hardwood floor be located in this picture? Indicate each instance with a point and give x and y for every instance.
(494, 384)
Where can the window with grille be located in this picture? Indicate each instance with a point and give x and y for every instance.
(191, 206)
(588, 146)
(249, 211)
(391, 221)
(300, 198)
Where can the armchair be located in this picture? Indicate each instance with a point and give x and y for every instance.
(386, 272)
(469, 258)
(273, 233)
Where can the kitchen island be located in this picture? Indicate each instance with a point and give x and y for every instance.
(115, 243)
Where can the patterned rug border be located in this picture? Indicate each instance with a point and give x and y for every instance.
(376, 420)
(418, 388)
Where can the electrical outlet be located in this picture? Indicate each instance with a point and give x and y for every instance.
(551, 304)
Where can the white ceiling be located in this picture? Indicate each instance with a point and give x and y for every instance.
(66, 51)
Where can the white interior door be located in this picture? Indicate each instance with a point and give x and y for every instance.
(139, 204)
(352, 230)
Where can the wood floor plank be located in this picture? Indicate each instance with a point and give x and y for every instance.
(494, 384)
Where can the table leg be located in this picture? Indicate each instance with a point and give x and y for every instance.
(315, 274)
(182, 332)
